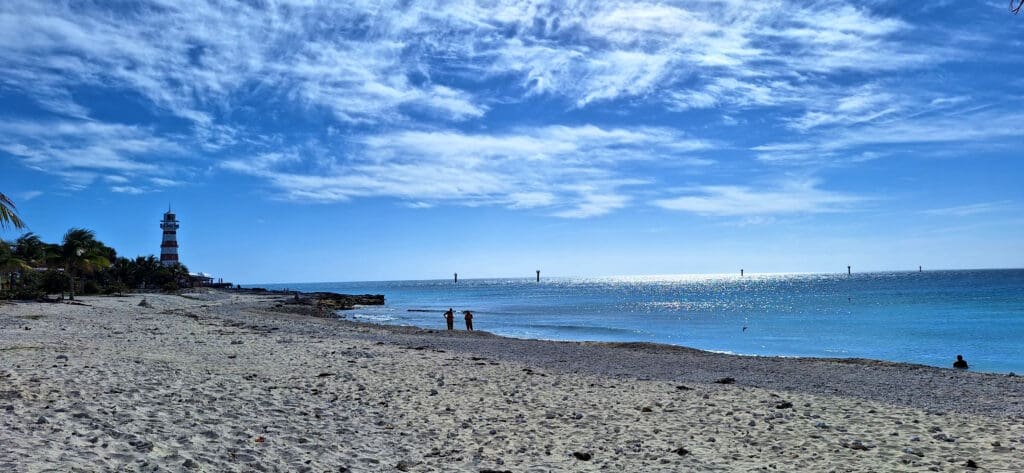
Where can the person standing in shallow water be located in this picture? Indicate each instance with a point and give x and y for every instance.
(960, 362)
(449, 317)
(469, 320)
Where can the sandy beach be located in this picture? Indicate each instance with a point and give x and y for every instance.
(237, 382)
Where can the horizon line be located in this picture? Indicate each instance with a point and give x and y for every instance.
(662, 275)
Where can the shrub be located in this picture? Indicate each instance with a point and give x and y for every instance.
(54, 281)
(22, 294)
(116, 288)
(90, 287)
(170, 286)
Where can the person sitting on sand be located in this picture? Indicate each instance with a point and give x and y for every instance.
(960, 363)
(449, 317)
(469, 320)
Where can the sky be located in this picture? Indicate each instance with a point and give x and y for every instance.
(302, 141)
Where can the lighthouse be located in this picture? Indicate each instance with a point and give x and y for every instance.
(169, 245)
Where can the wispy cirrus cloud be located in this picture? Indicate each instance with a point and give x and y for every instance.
(365, 62)
(78, 150)
(864, 104)
(793, 196)
(978, 127)
(571, 172)
(972, 209)
(335, 101)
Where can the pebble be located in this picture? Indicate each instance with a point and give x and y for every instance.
(726, 380)
(405, 465)
(784, 405)
(857, 445)
(681, 451)
(42, 420)
(582, 456)
(914, 451)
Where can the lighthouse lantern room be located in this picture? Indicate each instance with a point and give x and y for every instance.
(169, 245)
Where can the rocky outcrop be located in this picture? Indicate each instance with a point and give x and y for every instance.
(333, 301)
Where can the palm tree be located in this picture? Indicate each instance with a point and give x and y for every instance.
(8, 215)
(178, 274)
(123, 270)
(31, 249)
(146, 268)
(82, 253)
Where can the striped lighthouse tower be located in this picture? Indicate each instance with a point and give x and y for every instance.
(169, 245)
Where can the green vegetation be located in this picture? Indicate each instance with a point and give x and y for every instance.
(7, 214)
(31, 268)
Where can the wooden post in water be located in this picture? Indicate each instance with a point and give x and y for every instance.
(919, 269)
(741, 273)
(538, 275)
(456, 277)
(848, 271)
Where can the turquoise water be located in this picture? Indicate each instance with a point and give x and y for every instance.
(925, 318)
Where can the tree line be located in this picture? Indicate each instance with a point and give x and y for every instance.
(80, 264)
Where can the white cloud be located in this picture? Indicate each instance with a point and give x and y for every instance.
(867, 103)
(368, 63)
(61, 146)
(164, 182)
(128, 190)
(573, 172)
(406, 91)
(790, 197)
(593, 203)
(971, 209)
(29, 195)
(979, 126)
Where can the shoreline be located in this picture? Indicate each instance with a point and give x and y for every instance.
(356, 301)
(668, 346)
(239, 382)
(860, 377)
(897, 383)
(880, 317)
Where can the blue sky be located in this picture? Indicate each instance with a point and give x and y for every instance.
(363, 140)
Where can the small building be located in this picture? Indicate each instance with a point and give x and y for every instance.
(199, 280)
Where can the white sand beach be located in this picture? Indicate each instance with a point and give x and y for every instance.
(227, 382)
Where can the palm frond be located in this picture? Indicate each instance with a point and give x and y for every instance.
(8, 216)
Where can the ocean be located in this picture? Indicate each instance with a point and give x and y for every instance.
(916, 317)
